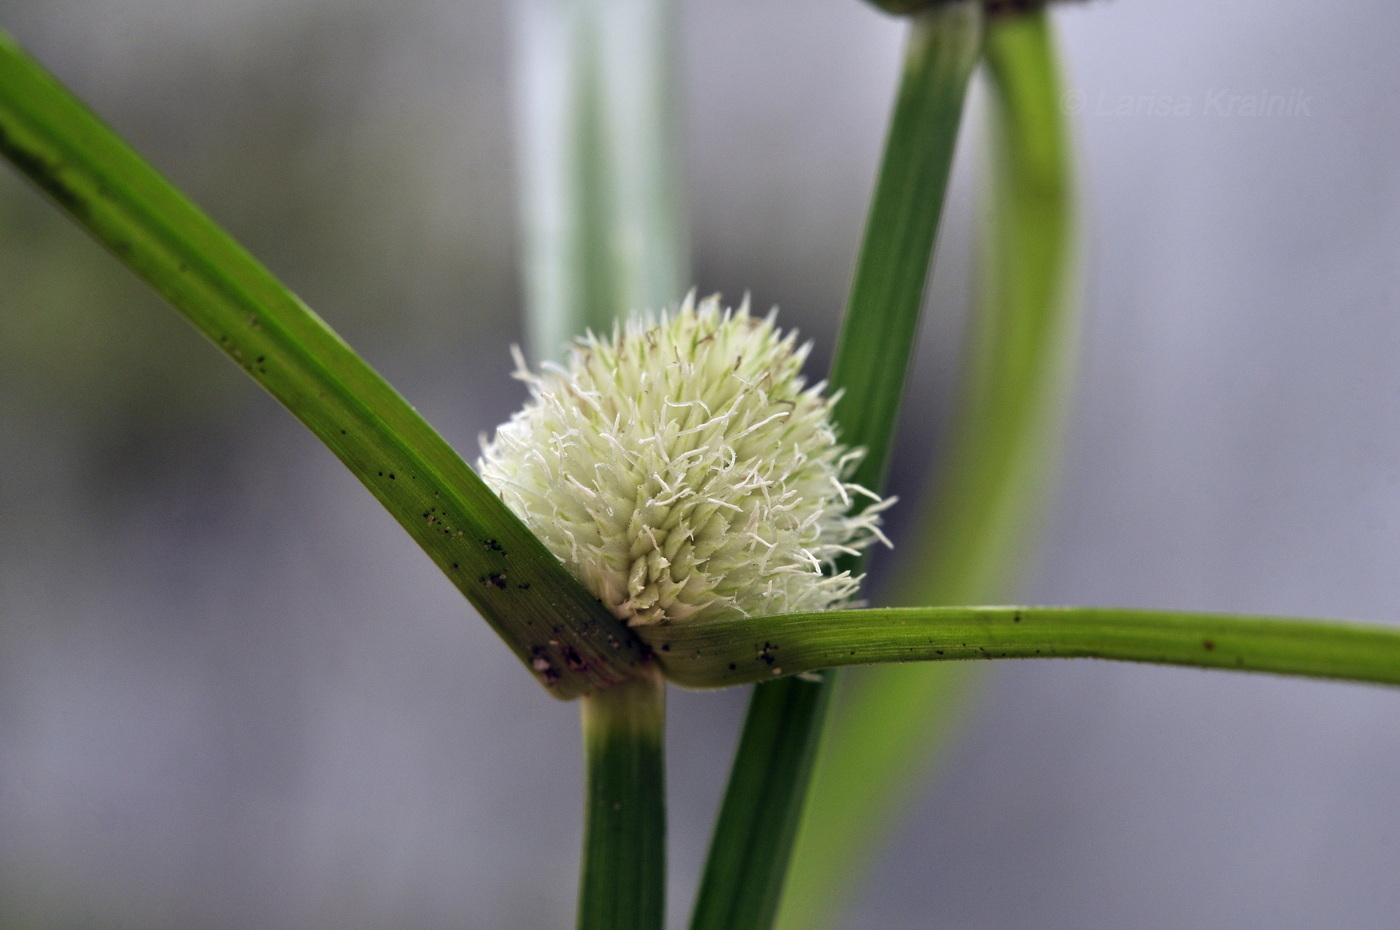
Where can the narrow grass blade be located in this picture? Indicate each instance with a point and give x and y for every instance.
(750, 850)
(717, 655)
(566, 639)
(980, 508)
(623, 882)
(601, 202)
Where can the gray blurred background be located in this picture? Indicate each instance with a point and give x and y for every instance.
(233, 694)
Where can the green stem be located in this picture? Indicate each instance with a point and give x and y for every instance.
(717, 655)
(981, 505)
(566, 639)
(880, 328)
(600, 191)
(743, 879)
(978, 514)
(751, 848)
(623, 882)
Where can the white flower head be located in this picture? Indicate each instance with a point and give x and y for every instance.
(682, 470)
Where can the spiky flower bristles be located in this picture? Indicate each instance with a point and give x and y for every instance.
(681, 471)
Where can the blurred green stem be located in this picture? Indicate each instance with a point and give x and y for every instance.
(623, 881)
(980, 517)
(600, 192)
(980, 508)
(749, 853)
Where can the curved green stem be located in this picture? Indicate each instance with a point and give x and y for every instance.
(717, 655)
(567, 640)
(980, 514)
(623, 881)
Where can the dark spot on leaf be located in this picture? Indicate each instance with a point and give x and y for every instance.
(44, 174)
(1208, 644)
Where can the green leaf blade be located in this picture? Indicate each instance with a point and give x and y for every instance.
(562, 634)
(753, 649)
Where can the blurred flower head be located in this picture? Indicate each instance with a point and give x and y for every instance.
(682, 470)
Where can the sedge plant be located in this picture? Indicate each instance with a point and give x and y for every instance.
(676, 504)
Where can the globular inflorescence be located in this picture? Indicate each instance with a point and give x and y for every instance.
(682, 470)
